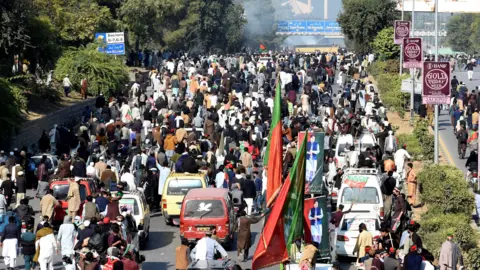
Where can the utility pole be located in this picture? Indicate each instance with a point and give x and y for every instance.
(413, 71)
(401, 45)
(436, 154)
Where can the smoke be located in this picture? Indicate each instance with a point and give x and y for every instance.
(260, 16)
(312, 40)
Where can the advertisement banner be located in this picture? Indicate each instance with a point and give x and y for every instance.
(112, 43)
(300, 27)
(315, 210)
(449, 6)
(402, 30)
(436, 83)
(412, 53)
(315, 157)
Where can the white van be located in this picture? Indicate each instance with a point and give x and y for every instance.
(366, 140)
(343, 144)
(362, 188)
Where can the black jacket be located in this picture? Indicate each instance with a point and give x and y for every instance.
(21, 184)
(250, 191)
(25, 212)
(11, 231)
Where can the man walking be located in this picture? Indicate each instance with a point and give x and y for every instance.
(21, 187)
(450, 255)
(10, 237)
(66, 85)
(469, 68)
(47, 204)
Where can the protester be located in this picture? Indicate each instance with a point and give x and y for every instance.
(10, 241)
(450, 254)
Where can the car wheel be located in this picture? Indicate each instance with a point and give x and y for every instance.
(168, 221)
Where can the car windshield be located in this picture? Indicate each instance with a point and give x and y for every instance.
(352, 224)
(365, 195)
(130, 204)
(204, 209)
(48, 162)
(182, 186)
(342, 149)
(60, 192)
(364, 146)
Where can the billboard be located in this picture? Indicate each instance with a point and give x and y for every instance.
(316, 211)
(114, 43)
(315, 157)
(412, 53)
(436, 83)
(297, 27)
(449, 6)
(402, 30)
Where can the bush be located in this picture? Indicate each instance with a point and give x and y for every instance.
(105, 73)
(12, 103)
(413, 145)
(389, 86)
(391, 66)
(426, 140)
(472, 259)
(444, 189)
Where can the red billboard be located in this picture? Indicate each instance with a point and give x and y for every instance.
(412, 53)
(436, 83)
(402, 30)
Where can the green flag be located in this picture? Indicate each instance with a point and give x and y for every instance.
(276, 119)
(293, 210)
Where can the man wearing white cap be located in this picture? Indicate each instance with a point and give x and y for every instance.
(100, 167)
(21, 184)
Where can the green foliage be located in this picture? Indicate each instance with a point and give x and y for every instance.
(384, 46)
(105, 73)
(389, 86)
(11, 105)
(413, 145)
(76, 21)
(472, 259)
(450, 206)
(463, 32)
(362, 20)
(380, 67)
(445, 190)
(426, 140)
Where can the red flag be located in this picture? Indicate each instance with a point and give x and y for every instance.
(308, 204)
(272, 249)
(262, 47)
(274, 154)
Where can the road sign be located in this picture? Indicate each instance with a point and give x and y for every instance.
(402, 30)
(113, 43)
(436, 83)
(412, 53)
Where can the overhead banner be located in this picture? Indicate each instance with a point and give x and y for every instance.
(316, 211)
(323, 27)
(412, 53)
(450, 6)
(436, 83)
(402, 30)
(315, 158)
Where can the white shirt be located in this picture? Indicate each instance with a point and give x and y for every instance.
(66, 82)
(205, 249)
(399, 158)
(130, 180)
(91, 171)
(163, 174)
(219, 179)
(213, 100)
(48, 246)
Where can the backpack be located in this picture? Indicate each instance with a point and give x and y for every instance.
(463, 137)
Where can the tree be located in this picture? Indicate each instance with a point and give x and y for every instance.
(145, 20)
(105, 73)
(11, 105)
(76, 21)
(384, 45)
(459, 31)
(361, 20)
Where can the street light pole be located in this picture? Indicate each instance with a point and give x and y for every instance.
(401, 44)
(436, 105)
(412, 96)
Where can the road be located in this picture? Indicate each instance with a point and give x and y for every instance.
(448, 141)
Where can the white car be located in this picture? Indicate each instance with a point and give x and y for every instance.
(136, 203)
(366, 140)
(362, 188)
(347, 233)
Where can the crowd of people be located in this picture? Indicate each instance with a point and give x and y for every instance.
(212, 115)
